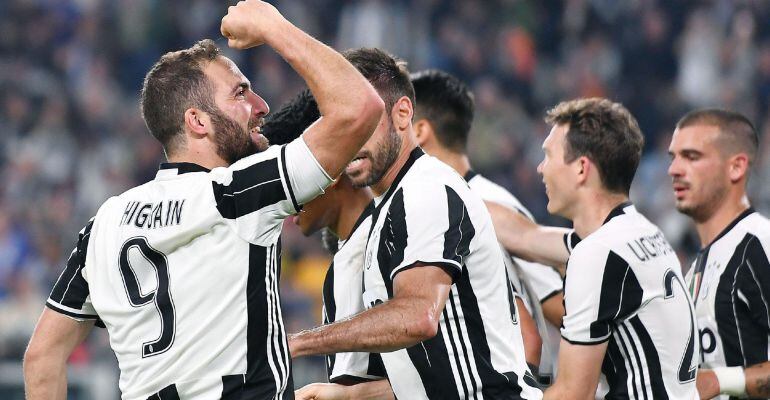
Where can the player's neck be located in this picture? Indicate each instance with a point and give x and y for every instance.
(389, 177)
(593, 212)
(355, 203)
(458, 161)
(204, 159)
(711, 227)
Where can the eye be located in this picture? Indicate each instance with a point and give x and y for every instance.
(241, 92)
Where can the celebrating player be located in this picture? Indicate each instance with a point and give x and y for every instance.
(443, 117)
(628, 321)
(439, 306)
(183, 270)
(712, 152)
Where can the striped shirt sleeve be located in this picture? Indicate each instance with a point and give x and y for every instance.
(429, 227)
(71, 295)
(600, 289)
(259, 191)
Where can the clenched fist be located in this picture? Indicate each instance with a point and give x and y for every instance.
(248, 23)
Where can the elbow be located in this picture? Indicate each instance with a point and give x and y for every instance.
(425, 327)
(363, 115)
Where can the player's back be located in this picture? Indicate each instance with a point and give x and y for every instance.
(183, 272)
(624, 285)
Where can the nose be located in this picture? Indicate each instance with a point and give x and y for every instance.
(675, 168)
(540, 167)
(258, 105)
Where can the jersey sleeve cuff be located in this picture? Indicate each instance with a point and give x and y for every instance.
(452, 268)
(72, 313)
(587, 342)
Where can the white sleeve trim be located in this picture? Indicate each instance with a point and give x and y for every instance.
(306, 176)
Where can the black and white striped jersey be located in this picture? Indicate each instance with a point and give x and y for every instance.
(430, 216)
(535, 283)
(624, 286)
(342, 297)
(730, 284)
(183, 271)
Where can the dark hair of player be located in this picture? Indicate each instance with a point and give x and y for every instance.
(174, 84)
(737, 133)
(386, 73)
(606, 133)
(447, 103)
(292, 119)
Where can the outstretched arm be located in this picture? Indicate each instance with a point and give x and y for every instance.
(349, 105)
(412, 316)
(528, 240)
(45, 361)
(752, 382)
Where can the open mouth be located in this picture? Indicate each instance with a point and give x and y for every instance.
(356, 162)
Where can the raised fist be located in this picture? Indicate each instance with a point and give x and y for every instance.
(248, 23)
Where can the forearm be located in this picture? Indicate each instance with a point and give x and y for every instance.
(374, 390)
(393, 325)
(758, 380)
(335, 83)
(45, 378)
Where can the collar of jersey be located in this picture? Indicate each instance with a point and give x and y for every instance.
(167, 170)
(730, 227)
(620, 209)
(416, 153)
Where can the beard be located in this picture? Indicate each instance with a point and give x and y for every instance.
(232, 141)
(702, 211)
(382, 160)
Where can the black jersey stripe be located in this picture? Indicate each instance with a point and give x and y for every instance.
(71, 289)
(463, 341)
(460, 232)
(457, 357)
(633, 369)
(167, 393)
(621, 294)
(393, 239)
(614, 370)
(725, 309)
(754, 284)
(251, 188)
(232, 386)
(636, 360)
(494, 384)
(431, 359)
(286, 179)
(650, 354)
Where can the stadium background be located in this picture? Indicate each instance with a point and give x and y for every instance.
(72, 135)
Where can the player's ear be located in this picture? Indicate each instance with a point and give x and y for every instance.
(401, 113)
(583, 168)
(423, 131)
(738, 167)
(197, 122)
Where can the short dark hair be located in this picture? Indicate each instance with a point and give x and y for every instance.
(447, 103)
(388, 74)
(738, 132)
(606, 133)
(175, 83)
(292, 119)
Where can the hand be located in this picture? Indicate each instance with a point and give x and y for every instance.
(707, 383)
(322, 391)
(248, 23)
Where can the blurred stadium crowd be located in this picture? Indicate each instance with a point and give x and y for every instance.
(72, 135)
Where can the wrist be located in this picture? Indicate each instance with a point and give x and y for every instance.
(732, 380)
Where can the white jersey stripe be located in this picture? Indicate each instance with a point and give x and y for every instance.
(271, 358)
(644, 368)
(453, 353)
(282, 344)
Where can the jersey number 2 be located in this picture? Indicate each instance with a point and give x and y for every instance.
(686, 369)
(160, 297)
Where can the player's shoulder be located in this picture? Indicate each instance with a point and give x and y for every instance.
(491, 191)
(225, 174)
(429, 175)
(756, 225)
